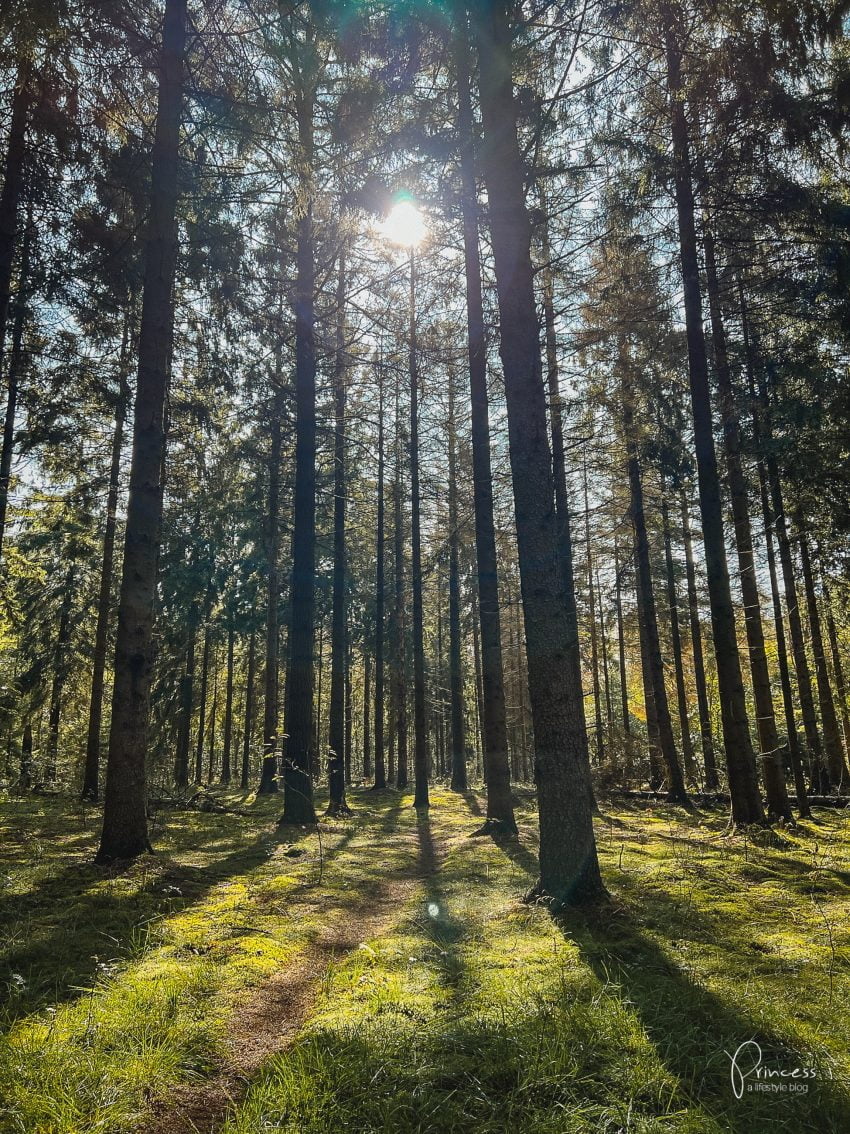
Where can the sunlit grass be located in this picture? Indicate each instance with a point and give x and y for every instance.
(470, 1012)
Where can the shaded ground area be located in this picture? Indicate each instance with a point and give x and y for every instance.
(391, 979)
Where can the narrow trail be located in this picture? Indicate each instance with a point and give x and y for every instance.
(277, 1009)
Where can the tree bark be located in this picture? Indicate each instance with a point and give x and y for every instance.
(298, 785)
(184, 734)
(337, 717)
(837, 667)
(91, 775)
(594, 642)
(569, 867)
(400, 644)
(458, 753)
(709, 761)
(60, 675)
(202, 710)
(500, 810)
(676, 642)
(770, 756)
(13, 372)
(380, 597)
(367, 715)
(268, 772)
(245, 776)
(227, 736)
(829, 722)
(738, 747)
(125, 829)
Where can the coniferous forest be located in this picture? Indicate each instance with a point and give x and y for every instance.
(424, 601)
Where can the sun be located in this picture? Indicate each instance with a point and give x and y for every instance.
(404, 225)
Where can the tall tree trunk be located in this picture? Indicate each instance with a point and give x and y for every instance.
(213, 715)
(458, 782)
(380, 597)
(125, 828)
(245, 776)
(337, 724)
(420, 723)
(400, 644)
(603, 643)
(737, 742)
(621, 660)
(13, 372)
(770, 755)
(829, 722)
(349, 711)
(569, 867)
(298, 785)
(202, 711)
(676, 642)
(91, 773)
(60, 675)
(268, 773)
(13, 180)
(656, 775)
(709, 761)
(367, 715)
(594, 642)
(500, 810)
(643, 567)
(184, 732)
(837, 667)
(227, 737)
(25, 778)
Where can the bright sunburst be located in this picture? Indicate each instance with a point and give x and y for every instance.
(404, 225)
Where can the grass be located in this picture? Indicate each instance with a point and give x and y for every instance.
(470, 1012)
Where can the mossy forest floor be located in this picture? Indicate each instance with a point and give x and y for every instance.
(247, 979)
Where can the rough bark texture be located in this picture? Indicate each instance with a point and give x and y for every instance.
(500, 810)
(268, 772)
(737, 742)
(458, 751)
(13, 180)
(337, 715)
(769, 750)
(569, 867)
(420, 722)
(125, 830)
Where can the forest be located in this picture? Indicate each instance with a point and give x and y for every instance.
(424, 596)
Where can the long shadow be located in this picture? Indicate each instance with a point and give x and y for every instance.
(87, 926)
(436, 920)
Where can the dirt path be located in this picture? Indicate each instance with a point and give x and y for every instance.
(277, 1009)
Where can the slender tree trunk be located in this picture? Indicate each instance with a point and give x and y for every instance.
(60, 674)
(213, 715)
(400, 646)
(594, 642)
(349, 711)
(268, 773)
(25, 778)
(184, 734)
(770, 755)
(125, 829)
(738, 747)
(837, 668)
(91, 775)
(569, 867)
(479, 695)
(603, 643)
(829, 722)
(459, 782)
(202, 712)
(656, 776)
(500, 811)
(245, 776)
(13, 180)
(380, 598)
(661, 708)
(227, 738)
(420, 723)
(367, 722)
(298, 785)
(337, 722)
(13, 372)
(621, 660)
(676, 641)
(709, 761)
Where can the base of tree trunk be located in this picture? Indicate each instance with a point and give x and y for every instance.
(335, 809)
(538, 896)
(128, 854)
(496, 828)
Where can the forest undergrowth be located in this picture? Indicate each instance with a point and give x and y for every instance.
(422, 994)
